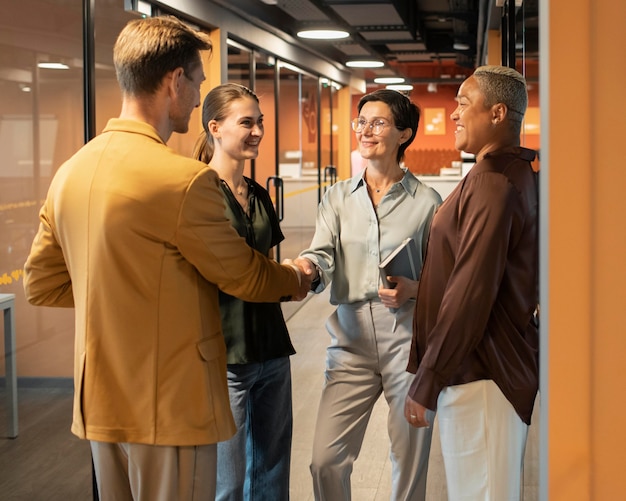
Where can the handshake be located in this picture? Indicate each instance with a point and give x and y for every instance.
(307, 273)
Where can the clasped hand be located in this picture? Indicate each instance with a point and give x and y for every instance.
(306, 274)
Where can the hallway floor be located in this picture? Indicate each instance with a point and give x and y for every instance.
(46, 462)
(371, 478)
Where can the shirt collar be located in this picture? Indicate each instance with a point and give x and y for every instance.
(409, 182)
(520, 151)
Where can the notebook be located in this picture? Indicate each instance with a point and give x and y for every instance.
(401, 262)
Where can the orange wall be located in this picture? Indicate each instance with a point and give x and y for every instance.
(584, 175)
(444, 98)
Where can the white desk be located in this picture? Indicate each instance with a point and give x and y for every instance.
(7, 301)
(442, 184)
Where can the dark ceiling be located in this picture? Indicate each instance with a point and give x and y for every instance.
(416, 39)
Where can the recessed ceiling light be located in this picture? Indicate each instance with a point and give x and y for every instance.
(388, 80)
(323, 34)
(400, 87)
(365, 64)
(460, 46)
(53, 66)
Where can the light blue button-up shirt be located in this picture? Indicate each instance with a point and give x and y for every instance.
(352, 237)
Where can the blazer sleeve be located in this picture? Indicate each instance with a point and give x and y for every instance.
(206, 238)
(47, 280)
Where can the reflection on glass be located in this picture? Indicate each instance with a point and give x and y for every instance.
(41, 125)
(309, 112)
(265, 164)
(327, 112)
(238, 63)
(298, 153)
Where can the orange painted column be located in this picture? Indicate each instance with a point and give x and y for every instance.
(608, 251)
(494, 42)
(583, 78)
(216, 67)
(567, 168)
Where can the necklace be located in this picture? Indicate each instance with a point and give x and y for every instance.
(377, 189)
(373, 188)
(240, 187)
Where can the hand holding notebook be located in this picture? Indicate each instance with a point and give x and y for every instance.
(401, 262)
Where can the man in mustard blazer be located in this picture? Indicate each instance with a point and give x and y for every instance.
(133, 236)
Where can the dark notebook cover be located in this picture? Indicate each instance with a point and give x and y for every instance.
(401, 262)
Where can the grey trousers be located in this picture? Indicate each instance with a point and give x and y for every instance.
(367, 356)
(139, 472)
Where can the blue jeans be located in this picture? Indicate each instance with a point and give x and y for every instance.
(254, 464)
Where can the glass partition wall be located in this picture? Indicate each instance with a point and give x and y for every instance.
(296, 154)
(328, 133)
(42, 123)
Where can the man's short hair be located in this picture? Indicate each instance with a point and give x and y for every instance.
(148, 49)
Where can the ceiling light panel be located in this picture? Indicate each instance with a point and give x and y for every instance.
(389, 80)
(371, 63)
(400, 87)
(323, 34)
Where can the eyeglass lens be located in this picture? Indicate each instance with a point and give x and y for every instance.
(358, 125)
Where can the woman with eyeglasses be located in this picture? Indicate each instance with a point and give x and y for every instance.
(359, 222)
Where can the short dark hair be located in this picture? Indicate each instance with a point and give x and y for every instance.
(406, 114)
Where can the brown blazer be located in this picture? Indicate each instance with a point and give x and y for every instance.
(134, 237)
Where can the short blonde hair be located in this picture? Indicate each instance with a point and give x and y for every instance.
(500, 84)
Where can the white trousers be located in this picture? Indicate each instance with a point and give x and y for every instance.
(139, 472)
(482, 442)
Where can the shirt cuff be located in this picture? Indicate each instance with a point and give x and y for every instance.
(425, 388)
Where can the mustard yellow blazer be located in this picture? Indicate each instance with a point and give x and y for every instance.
(134, 237)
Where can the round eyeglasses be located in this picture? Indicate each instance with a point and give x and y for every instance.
(376, 126)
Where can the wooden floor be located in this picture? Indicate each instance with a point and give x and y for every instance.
(46, 462)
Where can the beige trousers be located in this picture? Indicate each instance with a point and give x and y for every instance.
(138, 472)
(367, 357)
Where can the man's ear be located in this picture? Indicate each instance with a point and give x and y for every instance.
(174, 79)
